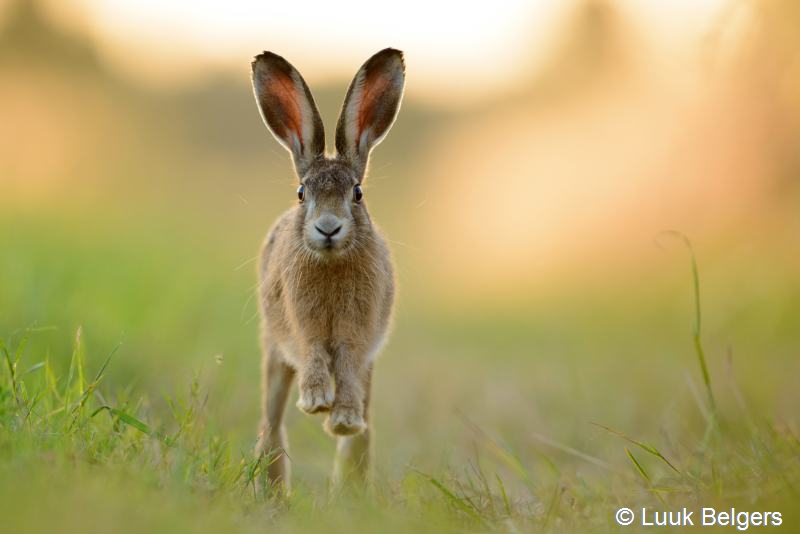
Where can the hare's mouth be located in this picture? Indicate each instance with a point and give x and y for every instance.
(328, 248)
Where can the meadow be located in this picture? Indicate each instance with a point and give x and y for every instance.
(511, 420)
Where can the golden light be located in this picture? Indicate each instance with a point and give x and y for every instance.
(457, 52)
(454, 50)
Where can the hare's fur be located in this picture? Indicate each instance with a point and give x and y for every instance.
(326, 302)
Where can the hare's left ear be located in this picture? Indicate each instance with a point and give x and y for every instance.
(288, 109)
(370, 106)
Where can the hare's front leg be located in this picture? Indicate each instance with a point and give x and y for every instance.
(316, 392)
(350, 372)
(277, 382)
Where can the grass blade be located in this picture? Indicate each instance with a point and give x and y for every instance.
(645, 476)
(696, 326)
(638, 466)
(74, 364)
(451, 497)
(502, 487)
(644, 446)
(126, 418)
(12, 372)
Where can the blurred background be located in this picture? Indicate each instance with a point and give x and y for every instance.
(541, 149)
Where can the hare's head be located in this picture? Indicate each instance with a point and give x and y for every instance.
(331, 199)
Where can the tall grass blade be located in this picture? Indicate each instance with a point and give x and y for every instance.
(126, 418)
(75, 363)
(456, 501)
(12, 372)
(508, 456)
(638, 466)
(645, 476)
(506, 503)
(697, 324)
(644, 446)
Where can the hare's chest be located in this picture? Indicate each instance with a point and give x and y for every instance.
(334, 307)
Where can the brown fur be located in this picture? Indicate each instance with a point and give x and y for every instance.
(326, 279)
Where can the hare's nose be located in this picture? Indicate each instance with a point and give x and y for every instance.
(327, 230)
(328, 225)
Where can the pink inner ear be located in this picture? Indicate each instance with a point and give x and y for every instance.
(375, 84)
(283, 89)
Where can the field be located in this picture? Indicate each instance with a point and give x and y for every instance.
(487, 420)
(558, 351)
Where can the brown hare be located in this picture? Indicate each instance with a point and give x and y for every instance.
(326, 278)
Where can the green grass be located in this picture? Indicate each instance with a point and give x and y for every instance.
(542, 416)
(70, 441)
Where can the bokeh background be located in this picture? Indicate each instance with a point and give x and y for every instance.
(541, 149)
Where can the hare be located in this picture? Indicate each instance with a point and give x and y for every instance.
(326, 277)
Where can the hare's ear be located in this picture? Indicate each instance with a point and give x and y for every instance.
(370, 106)
(288, 108)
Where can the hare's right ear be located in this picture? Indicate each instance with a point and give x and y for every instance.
(288, 109)
(370, 106)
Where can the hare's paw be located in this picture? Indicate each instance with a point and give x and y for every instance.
(345, 421)
(315, 396)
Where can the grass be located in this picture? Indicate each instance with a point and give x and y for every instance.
(697, 324)
(130, 463)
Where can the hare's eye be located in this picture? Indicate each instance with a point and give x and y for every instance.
(301, 192)
(358, 194)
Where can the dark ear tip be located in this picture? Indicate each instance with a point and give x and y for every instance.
(267, 57)
(392, 51)
(389, 53)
